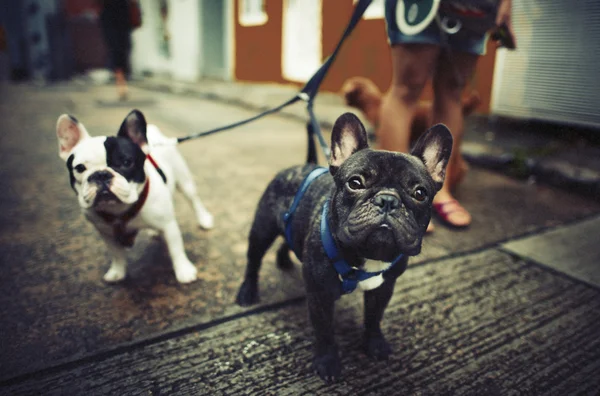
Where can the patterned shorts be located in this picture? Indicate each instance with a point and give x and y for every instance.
(462, 41)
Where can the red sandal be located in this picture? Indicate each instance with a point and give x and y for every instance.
(443, 210)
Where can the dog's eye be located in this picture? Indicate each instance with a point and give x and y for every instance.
(420, 194)
(127, 163)
(80, 168)
(355, 183)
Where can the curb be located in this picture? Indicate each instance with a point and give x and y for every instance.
(546, 170)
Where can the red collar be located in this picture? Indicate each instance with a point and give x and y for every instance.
(149, 158)
(120, 221)
(160, 172)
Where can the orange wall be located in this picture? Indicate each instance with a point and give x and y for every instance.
(365, 53)
(258, 48)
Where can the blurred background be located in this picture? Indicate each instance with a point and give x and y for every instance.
(552, 76)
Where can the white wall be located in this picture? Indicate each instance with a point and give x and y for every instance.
(301, 44)
(185, 42)
(145, 55)
(184, 21)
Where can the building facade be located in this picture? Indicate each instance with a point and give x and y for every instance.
(285, 41)
(551, 76)
(185, 39)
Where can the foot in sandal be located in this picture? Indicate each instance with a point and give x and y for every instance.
(450, 212)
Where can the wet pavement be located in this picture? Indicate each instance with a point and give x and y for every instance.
(476, 313)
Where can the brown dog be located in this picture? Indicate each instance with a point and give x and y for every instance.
(362, 94)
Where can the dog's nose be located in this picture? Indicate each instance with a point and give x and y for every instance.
(100, 177)
(387, 202)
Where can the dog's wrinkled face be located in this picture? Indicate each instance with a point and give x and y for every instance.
(382, 203)
(105, 172)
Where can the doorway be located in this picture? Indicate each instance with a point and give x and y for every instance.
(301, 50)
(215, 39)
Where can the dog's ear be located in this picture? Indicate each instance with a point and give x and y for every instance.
(134, 128)
(434, 148)
(69, 132)
(348, 137)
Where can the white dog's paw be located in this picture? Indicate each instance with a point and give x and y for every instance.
(185, 272)
(114, 275)
(206, 220)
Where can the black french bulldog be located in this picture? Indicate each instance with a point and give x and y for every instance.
(352, 228)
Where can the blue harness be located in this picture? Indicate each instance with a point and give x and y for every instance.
(349, 276)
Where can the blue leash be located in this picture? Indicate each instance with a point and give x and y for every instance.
(349, 276)
(307, 93)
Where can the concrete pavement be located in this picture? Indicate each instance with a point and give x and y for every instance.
(476, 313)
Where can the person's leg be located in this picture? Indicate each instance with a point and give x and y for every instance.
(452, 72)
(120, 47)
(412, 66)
(121, 82)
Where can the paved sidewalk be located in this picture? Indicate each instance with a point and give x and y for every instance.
(509, 306)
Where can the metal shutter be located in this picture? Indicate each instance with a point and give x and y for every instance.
(554, 73)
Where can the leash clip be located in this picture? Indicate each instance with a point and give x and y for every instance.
(304, 96)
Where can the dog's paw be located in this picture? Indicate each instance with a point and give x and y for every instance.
(114, 275)
(328, 366)
(206, 220)
(248, 293)
(377, 347)
(185, 272)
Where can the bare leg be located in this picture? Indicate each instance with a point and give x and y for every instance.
(452, 72)
(121, 82)
(412, 65)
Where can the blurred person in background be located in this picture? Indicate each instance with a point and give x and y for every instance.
(449, 59)
(117, 19)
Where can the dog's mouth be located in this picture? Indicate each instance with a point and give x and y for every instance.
(383, 238)
(105, 197)
(385, 225)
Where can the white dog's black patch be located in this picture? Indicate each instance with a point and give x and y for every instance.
(126, 158)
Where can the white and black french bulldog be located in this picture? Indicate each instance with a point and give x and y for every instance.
(122, 188)
(352, 227)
